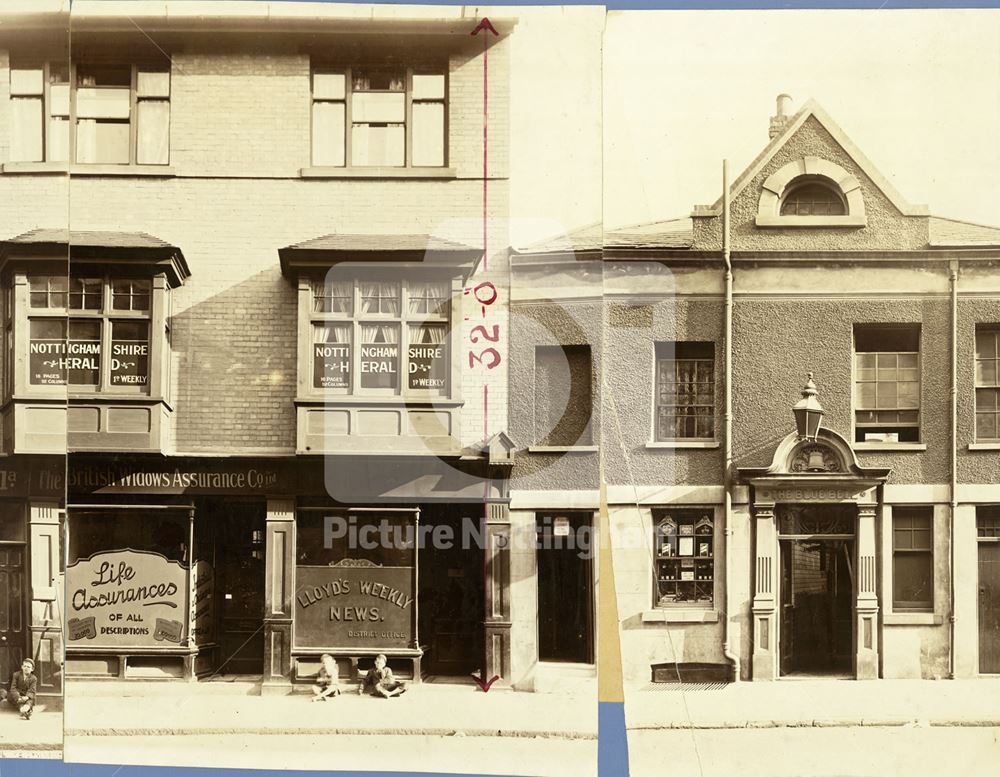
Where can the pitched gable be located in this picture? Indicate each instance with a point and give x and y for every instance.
(812, 146)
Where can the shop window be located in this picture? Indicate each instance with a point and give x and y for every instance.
(120, 113)
(381, 336)
(165, 532)
(685, 391)
(988, 384)
(912, 558)
(329, 537)
(90, 333)
(684, 565)
(812, 198)
(887, 384)
(563, 395)
(378, 117)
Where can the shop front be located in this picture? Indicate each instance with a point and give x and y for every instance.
(199, 568)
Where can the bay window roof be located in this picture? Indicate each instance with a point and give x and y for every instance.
(121, 249)
(334, 248)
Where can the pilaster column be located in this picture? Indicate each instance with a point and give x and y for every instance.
(866, 609)
(279, 587)
(765, 654)
(46, 593)
(497, 623)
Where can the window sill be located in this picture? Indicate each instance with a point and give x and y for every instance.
(702, 444)
(378, 172)
(893, 447)
(35, 168)
(562, 449)
(666, 615)
(812, 221)
(984, 446)
(154, 171)
(912, 619)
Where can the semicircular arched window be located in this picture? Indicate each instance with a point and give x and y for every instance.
(812, 198)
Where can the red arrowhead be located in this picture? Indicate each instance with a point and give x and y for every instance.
(484, 24)
(486, 686)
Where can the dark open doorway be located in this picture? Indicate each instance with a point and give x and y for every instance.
(451, 582)
(565, 588)
(817, 591)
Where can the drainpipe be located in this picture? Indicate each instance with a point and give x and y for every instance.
(727, 416)
(953, 485)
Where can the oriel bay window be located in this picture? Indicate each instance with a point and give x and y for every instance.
(90, 333)
(119, 113)
(384, 116)
(379, 336)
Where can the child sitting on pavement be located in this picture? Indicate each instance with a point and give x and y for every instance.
(326, 681)
(23, 684)
(380, 682)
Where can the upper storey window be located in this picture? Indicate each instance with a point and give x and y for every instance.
(811, 192)
(378, 117)
(90, 114)
(812, 198)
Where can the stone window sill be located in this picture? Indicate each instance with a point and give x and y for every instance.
(668, 615)
(812, 221)
(138, 171)
(702, 444)
(890, 447)
(345, 400)
(35, 168)
(562, 449)
(912, 619)
(378, 172)
(984, 446)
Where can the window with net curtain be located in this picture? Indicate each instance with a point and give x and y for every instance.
(685, 391)
(117, 114)
(378, 336)
(385, 116)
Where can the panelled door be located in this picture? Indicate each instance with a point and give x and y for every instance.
(989, 607)
(12, 610)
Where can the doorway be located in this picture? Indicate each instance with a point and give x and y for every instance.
(817, 592)
(451, 595)
(12, 609)
(236, 535)
(565, 588)
(989, 606)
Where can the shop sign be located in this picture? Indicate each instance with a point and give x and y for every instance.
(427, 366)
(127, 598)
(348, 606)
(129, 363)
(807, 494)
(379, 359)
(49, 359)
(183, 479)
(331, 365)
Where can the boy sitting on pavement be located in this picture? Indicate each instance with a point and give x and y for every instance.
(326, 681)
(380, 682)
(23, 684)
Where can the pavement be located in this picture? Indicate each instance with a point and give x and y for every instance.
(40, 737)
(173, 709)
(817, 703)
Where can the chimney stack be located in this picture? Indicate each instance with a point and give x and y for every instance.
(780, 119)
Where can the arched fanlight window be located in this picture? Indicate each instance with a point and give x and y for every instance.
(811, 197)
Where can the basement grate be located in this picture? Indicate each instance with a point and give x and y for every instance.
(683, 687)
